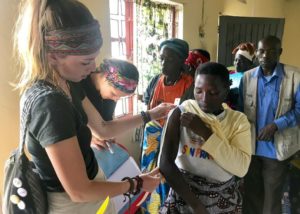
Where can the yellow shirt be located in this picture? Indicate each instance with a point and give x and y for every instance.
(230, 144)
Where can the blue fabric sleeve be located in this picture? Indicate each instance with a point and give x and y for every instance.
(292, 117)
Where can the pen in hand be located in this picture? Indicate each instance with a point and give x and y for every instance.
(108, 144)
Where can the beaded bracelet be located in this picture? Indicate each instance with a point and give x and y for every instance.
(139, 184)
(129, 192)
(131, 185)
(145, 116)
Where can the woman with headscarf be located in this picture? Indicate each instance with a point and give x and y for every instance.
(165, 87)
(244, 55)
(112, 80)
(195, 58)
(243, 61)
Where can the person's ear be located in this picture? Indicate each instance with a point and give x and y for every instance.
(53, 58)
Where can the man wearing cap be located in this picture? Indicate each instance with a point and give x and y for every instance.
(165, 87)
(270, 97)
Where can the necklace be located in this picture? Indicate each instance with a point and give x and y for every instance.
(170, 83)
(169, 91)
(64, 86)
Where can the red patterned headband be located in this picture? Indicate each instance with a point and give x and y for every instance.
(82, 40)
(117, 80)
(195, 59)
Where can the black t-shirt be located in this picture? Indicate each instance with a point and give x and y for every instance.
(54, 118)
(105, 107)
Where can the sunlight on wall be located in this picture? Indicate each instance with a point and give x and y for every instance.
(9, 106)
(258, 8)
(192, 19)
(291, 36)
(101, 12)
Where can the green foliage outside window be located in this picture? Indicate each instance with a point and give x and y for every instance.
(154, 25)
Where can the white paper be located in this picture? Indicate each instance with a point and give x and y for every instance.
(128, 169)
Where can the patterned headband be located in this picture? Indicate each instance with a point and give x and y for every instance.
(195, 59)
(117, 80)
(82, 40)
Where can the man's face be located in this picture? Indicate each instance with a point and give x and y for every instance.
(268, 54)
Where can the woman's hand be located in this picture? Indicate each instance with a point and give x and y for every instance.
(161, 110)
(191, 121)
(151, 180)
(194, 122)
(101, 144)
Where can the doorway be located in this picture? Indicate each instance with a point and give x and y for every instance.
(234, 30)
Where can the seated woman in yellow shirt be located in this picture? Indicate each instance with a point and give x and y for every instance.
(205, 145)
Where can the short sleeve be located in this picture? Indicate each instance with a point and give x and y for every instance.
(52, 119)
(77, 90)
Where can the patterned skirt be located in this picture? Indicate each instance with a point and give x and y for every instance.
(150, 152)
(222, 197)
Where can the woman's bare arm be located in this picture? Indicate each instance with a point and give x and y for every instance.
(69, 166)
(109, 129)
(168, 167)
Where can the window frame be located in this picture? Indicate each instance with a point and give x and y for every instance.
(126, 19)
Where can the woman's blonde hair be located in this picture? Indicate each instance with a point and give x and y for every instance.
(36, 18)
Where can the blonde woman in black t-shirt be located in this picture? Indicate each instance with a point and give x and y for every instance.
(57, 42)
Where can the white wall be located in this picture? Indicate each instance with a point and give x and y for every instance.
(291, 44)
(192, 19)
(100, 10)
(9, 99)
(255, 8)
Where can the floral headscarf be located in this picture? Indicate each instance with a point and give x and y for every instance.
(115, 77)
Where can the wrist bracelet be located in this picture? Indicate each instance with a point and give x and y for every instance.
(145, 116)
(139, 184)
(131, 183)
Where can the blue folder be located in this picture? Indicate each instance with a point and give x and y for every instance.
(109, 162)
